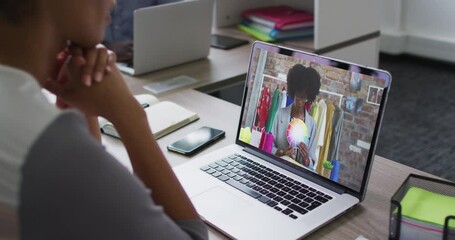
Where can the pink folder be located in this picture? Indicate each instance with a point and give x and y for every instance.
(280, 17)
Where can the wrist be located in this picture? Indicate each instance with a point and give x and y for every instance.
(129, 115)
(133, 126)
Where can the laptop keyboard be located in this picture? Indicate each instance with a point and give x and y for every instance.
(270, 187)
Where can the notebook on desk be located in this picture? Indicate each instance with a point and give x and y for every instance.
(247, 192)
(169, 34)
(163, 117)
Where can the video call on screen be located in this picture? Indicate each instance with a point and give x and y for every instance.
(332, 135)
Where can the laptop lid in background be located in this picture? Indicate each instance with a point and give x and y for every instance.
(345, 145)
(170, 34)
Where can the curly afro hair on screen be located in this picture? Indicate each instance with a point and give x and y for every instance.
(305, 80)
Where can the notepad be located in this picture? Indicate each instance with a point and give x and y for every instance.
(426, 206)
(163, 117)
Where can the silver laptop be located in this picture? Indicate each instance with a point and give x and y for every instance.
(170, 34)
(246, 191)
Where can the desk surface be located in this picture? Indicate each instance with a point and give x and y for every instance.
(369, 219)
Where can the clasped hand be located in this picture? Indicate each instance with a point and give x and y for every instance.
(88, 79)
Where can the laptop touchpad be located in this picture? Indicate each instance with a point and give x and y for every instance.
(218, 202)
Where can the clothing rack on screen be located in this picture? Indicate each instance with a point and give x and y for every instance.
(272, 97)
(276, 88)
(273, 77)
(278, 83)
(331, 94)
(330, 124)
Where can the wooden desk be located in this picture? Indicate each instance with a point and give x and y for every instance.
(369, 219)
(212, 111)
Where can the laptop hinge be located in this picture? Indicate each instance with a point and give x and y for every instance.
(308, 176)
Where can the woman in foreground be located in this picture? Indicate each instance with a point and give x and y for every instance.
(56, 179)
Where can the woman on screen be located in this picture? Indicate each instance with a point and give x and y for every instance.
(303, 85)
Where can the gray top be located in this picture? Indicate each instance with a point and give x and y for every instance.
(73, 189)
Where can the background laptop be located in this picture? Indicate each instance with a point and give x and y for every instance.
(170, 34)
(247, 192)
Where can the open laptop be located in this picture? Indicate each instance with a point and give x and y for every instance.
(247, 192)
(170, 34)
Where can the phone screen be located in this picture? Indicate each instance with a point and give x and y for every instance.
(196, 140)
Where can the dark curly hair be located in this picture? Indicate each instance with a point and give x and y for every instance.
(14, 11)
(305, 80)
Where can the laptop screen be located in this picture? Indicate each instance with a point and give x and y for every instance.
(313, 113)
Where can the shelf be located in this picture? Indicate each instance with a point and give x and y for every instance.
(306, 44)
(338, 24)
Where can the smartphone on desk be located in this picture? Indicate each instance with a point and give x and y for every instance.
(196, 141)
(226, 42)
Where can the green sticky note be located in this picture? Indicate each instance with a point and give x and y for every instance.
(426, 206)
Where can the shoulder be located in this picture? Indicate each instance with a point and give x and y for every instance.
(25, 114)
(25, 110)
(72, 177)
(68, 175)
